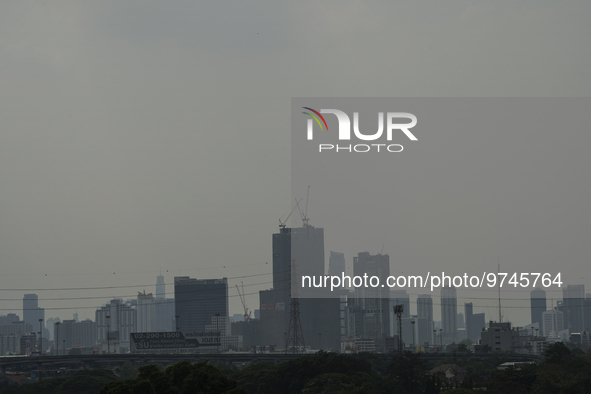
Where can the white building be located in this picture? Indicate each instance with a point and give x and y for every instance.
(553, 321)
(146, 312)
(118, 318)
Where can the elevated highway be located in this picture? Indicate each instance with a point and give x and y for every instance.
(48, 363)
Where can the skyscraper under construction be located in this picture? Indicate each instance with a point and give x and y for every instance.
(297, 252)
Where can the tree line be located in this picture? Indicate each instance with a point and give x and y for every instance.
(562, 370)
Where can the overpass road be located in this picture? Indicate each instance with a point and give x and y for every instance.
(233, 359)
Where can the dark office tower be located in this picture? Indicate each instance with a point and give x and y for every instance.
(573, 297)
(198, 300)
(537, 305)
(336, 264)
(31, 311)
(449, 311)
(474, 322)
(305, 247)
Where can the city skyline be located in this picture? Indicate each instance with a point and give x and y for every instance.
(137, 142)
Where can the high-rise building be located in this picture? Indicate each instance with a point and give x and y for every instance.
(304, 247)
(146, 312)
(11, 334)
(425, 306)
(50, 324)
(474, 322)
(31, 311)
(537, 305)
(164, 308)
(374, 302)
(417, 329)
(71, 333)
(553, 321)
(460, 321)
(336, 264)
(114, 322)
(198, 300)
(449, 311)
(160, 288)
(9, 318)
(425, 310)
(573, 297)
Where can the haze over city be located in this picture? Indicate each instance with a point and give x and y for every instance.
(140, 141)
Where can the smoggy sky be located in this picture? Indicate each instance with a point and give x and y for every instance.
(141, 136)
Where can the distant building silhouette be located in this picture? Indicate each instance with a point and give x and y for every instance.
(31, 311)
(72, 334)
(374, 302)
(553, 322)
(164, 308)
(425, 310)
(146, 312)
(9, 318)
(449, 312)
(573, 297)
(537, 305)
(336, 264)
(160, 288)
(11, 333)
(475, 322)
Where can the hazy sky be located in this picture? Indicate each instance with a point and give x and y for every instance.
(141, 136)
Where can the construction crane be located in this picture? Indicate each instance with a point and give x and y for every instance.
(282, 223)
(305, 217)
(243, 300)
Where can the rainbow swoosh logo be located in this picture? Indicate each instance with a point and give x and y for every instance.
(316, 118)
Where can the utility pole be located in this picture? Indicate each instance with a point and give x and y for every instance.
(57, 340)
(435, 337)
(295, 334)
(398, 309)
(414, 346)
(40, 336)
